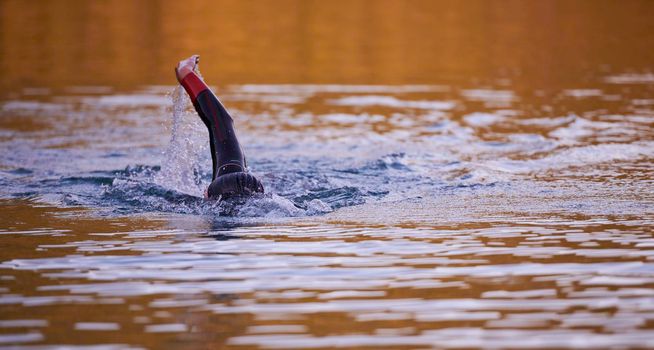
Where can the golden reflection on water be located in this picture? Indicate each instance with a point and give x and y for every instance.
(401, 272)
(415, 282)
(128, 43)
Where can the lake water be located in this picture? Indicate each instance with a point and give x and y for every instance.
(438, 175)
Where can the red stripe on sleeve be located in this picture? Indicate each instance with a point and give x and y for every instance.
(193, 85)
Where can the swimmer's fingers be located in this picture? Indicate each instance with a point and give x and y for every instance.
(196, 62)
(190, 62)
(186, 66)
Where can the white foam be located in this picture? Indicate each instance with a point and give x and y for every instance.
(128, 100)
(32, 106)
(286, 328)
(457, 338)
(488, 95)
(534, 293)
(577, 156)
(96, 326)
(28, 323)
(389, 101)
(630, 78)
(352, 294)
(582, 93)
(347, 118)
(17, 338)
(479, 119)
(166, 328)
(333, 88)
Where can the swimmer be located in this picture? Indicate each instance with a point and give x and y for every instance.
(230, 175)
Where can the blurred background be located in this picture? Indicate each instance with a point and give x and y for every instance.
(127, 43)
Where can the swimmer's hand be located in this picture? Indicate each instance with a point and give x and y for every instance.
(186, 66)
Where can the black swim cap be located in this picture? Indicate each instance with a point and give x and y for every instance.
(234, 185)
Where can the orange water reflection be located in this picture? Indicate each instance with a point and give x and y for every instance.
(563, 256)
(126, 43)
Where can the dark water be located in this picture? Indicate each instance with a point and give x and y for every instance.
(447, 175)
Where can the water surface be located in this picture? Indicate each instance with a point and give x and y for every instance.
(487, 183)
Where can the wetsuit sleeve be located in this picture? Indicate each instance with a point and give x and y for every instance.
(193, 85)
(226, 152)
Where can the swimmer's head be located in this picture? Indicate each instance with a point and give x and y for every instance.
(235, 184)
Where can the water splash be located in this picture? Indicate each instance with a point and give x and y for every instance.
(184, 174)
(185, 160)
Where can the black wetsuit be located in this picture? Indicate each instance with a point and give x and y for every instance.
(230, 176)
